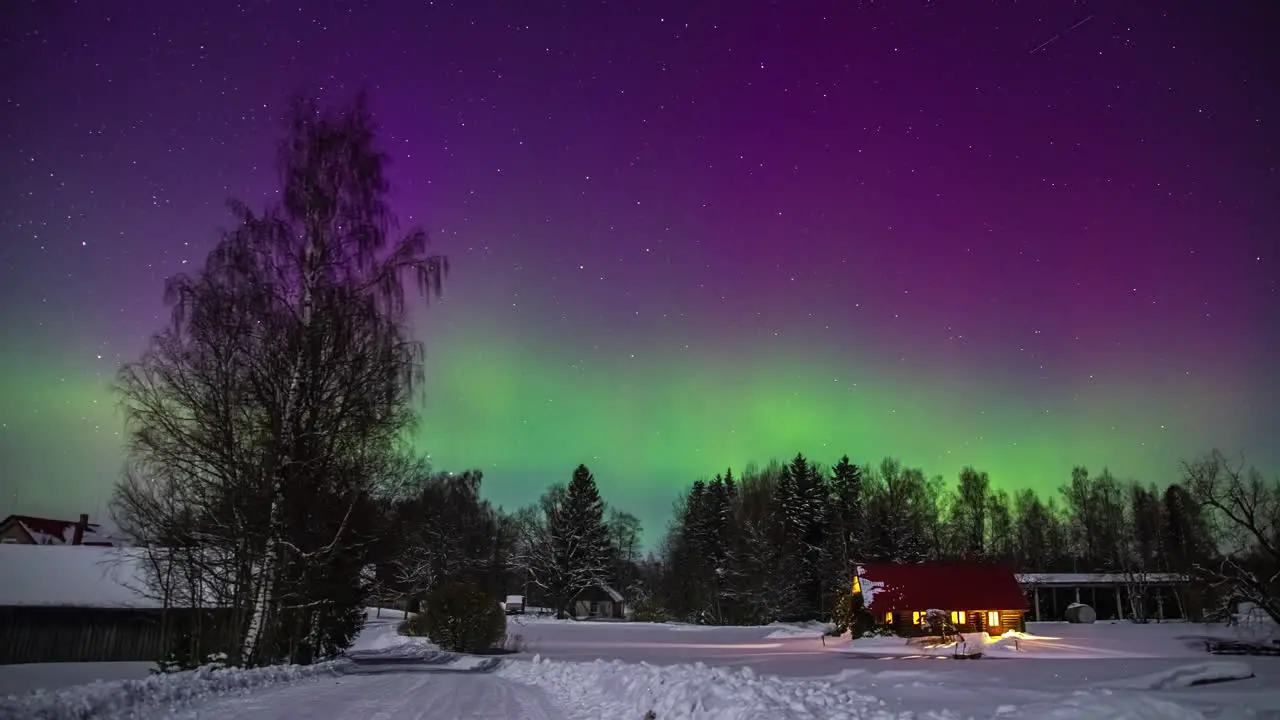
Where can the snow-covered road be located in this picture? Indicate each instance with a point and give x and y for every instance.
(401, 695)
(581, 671)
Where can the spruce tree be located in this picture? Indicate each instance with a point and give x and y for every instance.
(847, 510)
(579, 538)
(801, 501)
(845, 523)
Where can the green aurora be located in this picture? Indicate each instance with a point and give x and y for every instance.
(648, 426)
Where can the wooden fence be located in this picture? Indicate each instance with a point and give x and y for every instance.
(39, 634)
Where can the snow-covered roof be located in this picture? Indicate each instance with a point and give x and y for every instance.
(51, 531)
(613, 594)
(73, 576)
(1070, 579)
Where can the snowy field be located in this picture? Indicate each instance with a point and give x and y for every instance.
(589, 670)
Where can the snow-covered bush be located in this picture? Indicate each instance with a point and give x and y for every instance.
(937, 623)
(460, 617)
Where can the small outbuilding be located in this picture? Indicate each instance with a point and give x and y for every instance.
(976, 597)
(599, 601)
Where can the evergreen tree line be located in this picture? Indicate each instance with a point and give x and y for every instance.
(783, 541)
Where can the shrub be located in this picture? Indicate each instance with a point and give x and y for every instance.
(461, 617)
(647, 610)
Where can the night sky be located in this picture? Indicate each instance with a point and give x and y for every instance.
(688, 235)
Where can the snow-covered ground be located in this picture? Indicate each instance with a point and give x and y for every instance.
(1081, 669)
(575, 671)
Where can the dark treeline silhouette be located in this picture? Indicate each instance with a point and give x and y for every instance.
(440, 530)
(781, 542)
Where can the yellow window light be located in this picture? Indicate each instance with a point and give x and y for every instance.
(957, 617)
(917, 618)
(888, 618)
(857, 585)
(993, 618)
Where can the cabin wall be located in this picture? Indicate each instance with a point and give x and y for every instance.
(975, 621)
(1010, 620)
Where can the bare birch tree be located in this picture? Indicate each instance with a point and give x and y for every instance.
(265, 417)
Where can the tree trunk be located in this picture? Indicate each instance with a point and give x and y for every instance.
(265, 601)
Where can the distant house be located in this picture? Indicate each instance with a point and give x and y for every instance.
(30, 530)
(599, 601)
(975, 596)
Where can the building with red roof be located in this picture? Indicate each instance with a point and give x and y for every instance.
(31, 530)
(975, 597)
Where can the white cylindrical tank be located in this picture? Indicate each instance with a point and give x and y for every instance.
(1081, 613)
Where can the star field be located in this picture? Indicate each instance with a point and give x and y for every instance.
(1022, 236)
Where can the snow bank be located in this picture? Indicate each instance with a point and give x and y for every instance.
(1101, 706)
(123, 698)
(694, 692)
(697, 692)
(807, 629)
(1185, 676)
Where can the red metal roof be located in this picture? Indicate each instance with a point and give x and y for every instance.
(940, 586)
(45, 531)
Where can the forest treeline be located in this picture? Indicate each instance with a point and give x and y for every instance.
(783, 540)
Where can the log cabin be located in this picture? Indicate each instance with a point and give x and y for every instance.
(976, 597)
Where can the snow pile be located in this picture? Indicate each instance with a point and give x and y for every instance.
(694, 692)
(806, 629)
(123, 698)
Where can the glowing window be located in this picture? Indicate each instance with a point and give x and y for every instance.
(857, 585)
(917, 618)
(888, 617)
(993, 618)
(957, 617)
